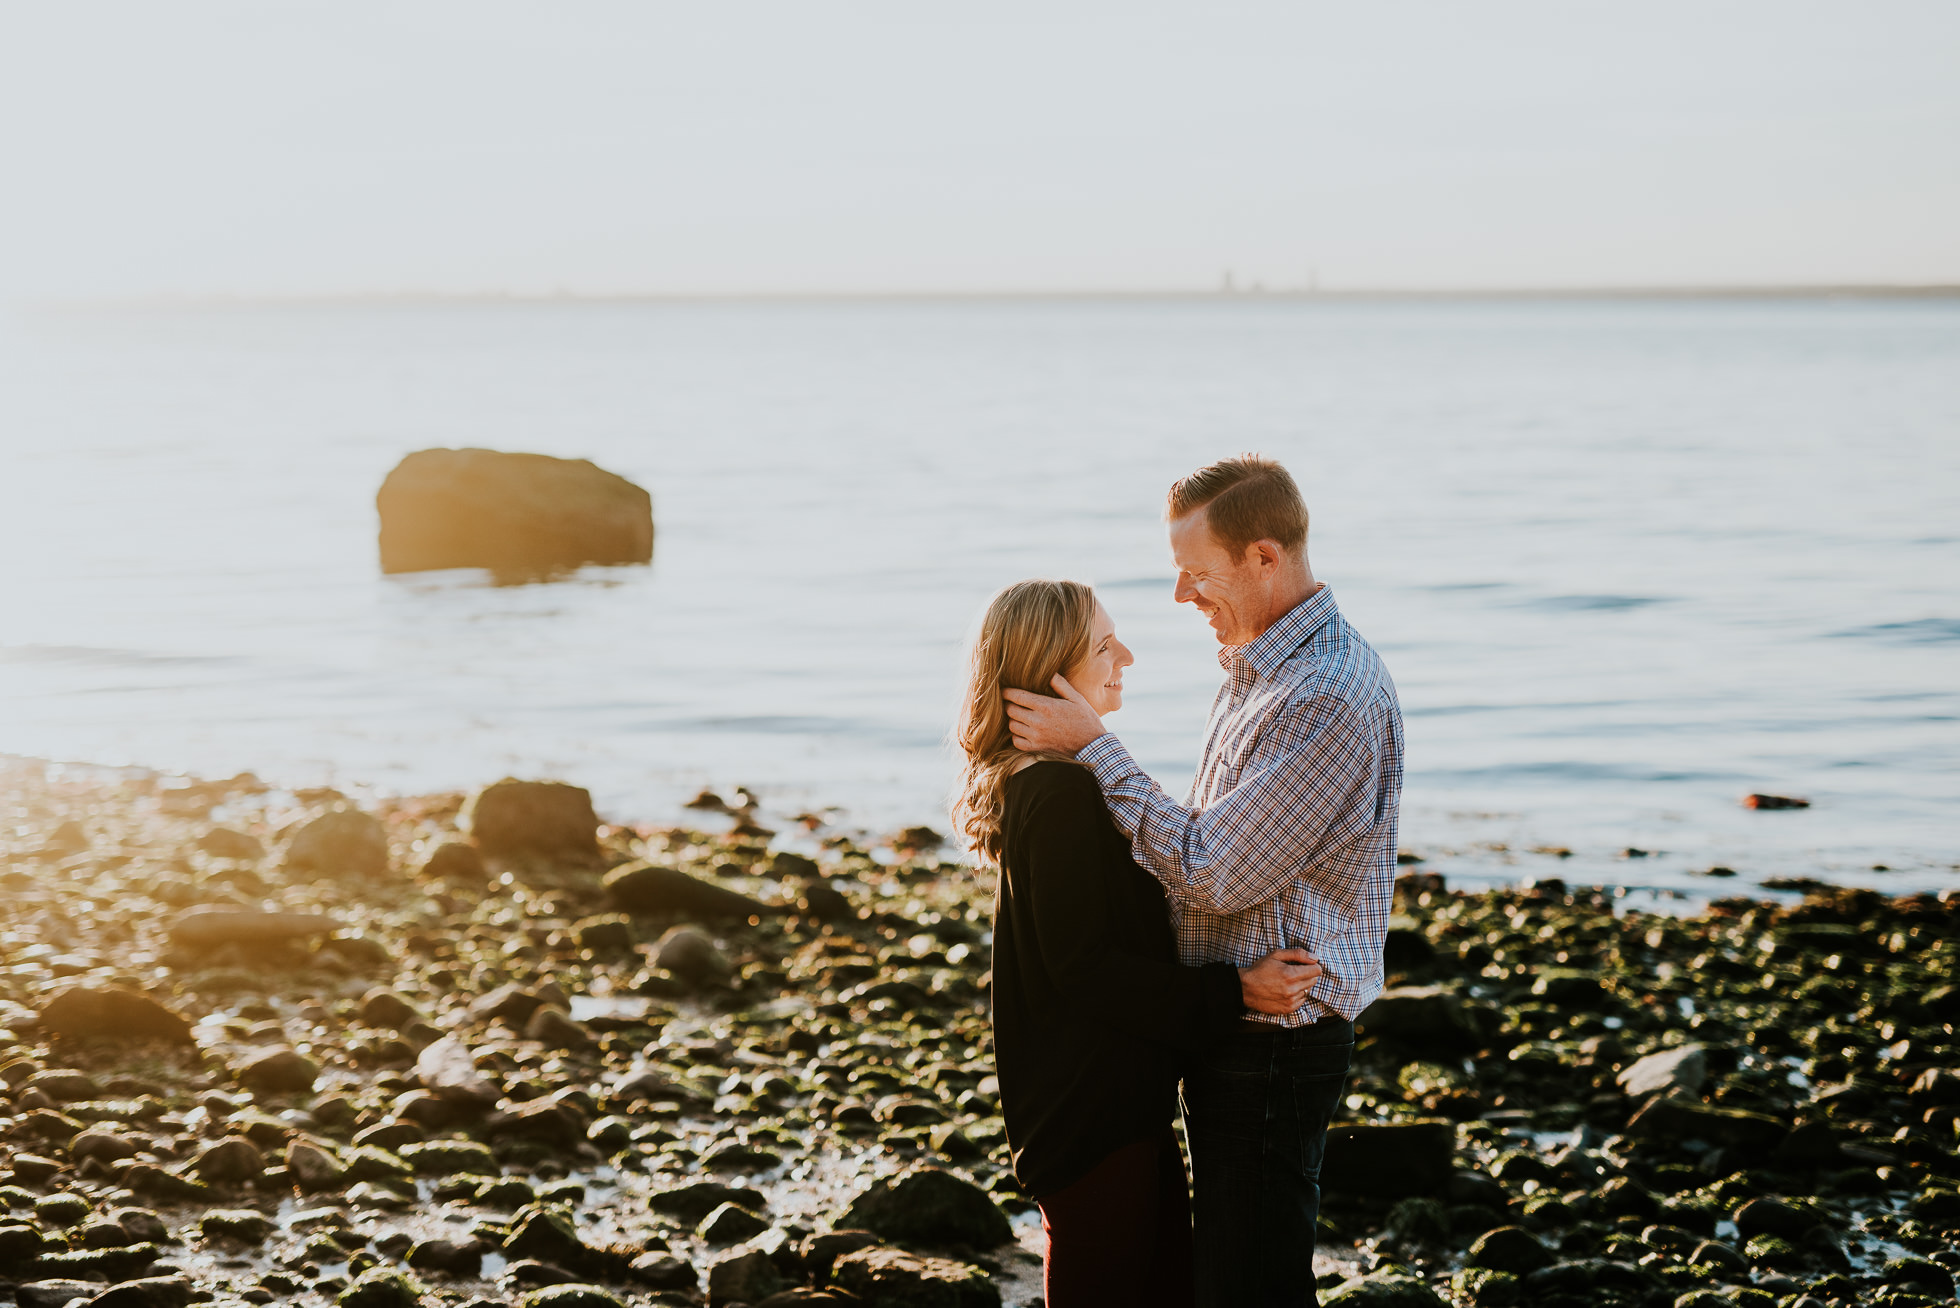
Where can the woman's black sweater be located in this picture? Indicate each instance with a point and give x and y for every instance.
(1091, 1007)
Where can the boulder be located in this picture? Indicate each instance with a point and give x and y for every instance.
(645, 889)
(1684, 1068)
(820, 1252)
(1388, 1160)
(312, 1168)
(570, 1295)
(455, 1257)
(383, 1008)
(54, 1293)
(510, 1004)
(730, 1224)
(1769, 1216)
(691, 1203)
(455, 861)
(689, 954)
(107, 1146)
(146, 1292)
(1669, 1119)
(554, 1028)
(278, 1071)
(748, 1276)
(112, 1013)
(230, 1161)
(546, 1121)
(380, 1287)
(931, 1207)
(522, 516)
(548, 818)
(1386, 1287)
(1429, 1017)
(62, 1085)
(892, 1278)
(448, 1070)
(548, 1235)
(207, 928)
(241, 1224)
(344, 842)
(1509, 1249)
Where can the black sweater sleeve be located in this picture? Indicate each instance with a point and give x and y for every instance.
(1102, 976)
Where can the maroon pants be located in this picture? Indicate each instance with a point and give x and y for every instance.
(1122, 1234)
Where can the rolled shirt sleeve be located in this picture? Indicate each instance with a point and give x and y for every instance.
(1312, 788)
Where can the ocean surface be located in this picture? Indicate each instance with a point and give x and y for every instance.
(1628, 560)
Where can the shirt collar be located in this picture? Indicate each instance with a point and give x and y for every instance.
(1277, 642)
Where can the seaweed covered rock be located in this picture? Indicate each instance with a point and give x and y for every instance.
(892, 1278)
(1430, 1017)
(1386, 1287)
(521, 515)
(930, 1207)
(1388, 1160)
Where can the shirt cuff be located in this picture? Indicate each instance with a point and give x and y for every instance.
(1106, 757)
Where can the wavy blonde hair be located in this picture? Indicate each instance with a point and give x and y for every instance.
(1031, 631)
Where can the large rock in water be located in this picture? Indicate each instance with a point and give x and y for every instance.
(520, 515)
(533, 817)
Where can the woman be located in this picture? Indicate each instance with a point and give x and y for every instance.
(1091, 1007)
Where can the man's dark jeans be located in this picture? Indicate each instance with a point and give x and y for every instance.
(1256, 1110)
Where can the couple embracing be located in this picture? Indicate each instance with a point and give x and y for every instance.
(1225, 943)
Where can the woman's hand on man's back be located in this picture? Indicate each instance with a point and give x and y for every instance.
(1280, 982)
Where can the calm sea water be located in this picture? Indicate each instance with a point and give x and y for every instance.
(1628, 561)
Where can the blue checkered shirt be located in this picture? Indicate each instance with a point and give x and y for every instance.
(1288, 837)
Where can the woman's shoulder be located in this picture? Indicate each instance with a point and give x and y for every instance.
(1053, 776)
(1053, 788)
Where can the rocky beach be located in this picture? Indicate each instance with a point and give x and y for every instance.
(494, 1049)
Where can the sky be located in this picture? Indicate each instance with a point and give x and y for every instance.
(280, 148)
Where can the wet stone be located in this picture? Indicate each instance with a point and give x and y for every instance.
(729, 1224)
(54, 1292)
(1509, 1249)
(454, 1257)
(230, 1161)
(691, 1203)
(146, 1292)
(278, 1071)
(571, 1295)
(893, 1276)
(931, 1207)
(1388, 1287)
(236, 1224)
(748, 1276)
(380, 1288)
(1684, 1068)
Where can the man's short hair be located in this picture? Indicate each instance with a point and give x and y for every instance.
(1248, 499)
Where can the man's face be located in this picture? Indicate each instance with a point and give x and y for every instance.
(1234, 593)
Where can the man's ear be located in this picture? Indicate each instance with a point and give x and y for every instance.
(1265, 556)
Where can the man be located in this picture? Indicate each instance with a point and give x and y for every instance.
(1287, 839)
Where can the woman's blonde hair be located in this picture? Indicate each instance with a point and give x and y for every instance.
(1032, 631)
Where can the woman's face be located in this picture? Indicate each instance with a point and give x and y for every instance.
(1099, 677)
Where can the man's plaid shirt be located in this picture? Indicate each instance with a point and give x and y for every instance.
(1288, 839)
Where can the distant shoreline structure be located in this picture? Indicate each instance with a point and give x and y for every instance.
(1230, 292)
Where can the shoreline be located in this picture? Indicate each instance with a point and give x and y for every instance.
(1555, 1099)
